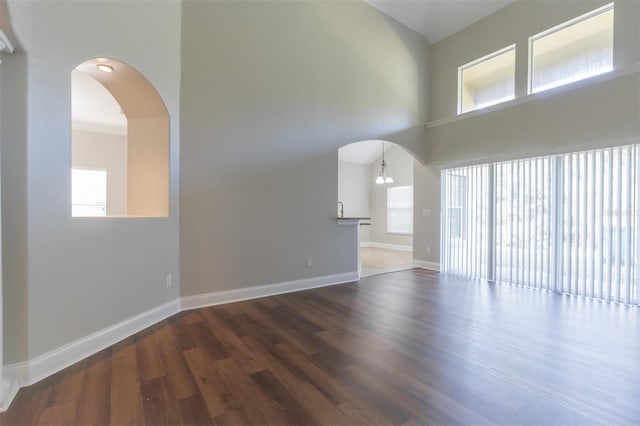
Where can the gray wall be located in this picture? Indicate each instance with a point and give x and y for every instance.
(270, 91)
(354, 186)
(64, 277)
(563, 120)
(400, 167)
(515, 24)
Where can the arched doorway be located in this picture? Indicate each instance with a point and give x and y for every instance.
(375, 179)
(120, 142)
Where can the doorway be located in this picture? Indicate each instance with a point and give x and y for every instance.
(375, 180)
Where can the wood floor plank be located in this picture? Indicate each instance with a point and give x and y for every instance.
(149, 359)
(215, 392)
(126, 400)
(194, 411)
(178, 372)
(95, 395)
(404, 348)
(159, 403)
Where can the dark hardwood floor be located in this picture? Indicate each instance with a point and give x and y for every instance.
(411, 347)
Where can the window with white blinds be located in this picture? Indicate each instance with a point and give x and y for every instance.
(568, 223)
(466, 221)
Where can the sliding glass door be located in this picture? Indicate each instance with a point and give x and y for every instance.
(567, 222)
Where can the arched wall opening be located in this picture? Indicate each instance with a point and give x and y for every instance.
(376, 181)
(120, 142)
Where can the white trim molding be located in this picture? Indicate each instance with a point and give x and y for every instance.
(5, 43)
(386, 246)
(247, 293)
(611, 75)
(425, 264)
(29, 372)
(8, 391)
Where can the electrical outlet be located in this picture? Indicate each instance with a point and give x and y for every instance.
(309, 262)
(428, 250)
(169, 281)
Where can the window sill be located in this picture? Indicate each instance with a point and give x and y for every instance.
(611, 75)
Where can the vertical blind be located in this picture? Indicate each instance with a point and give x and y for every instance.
(568, 223)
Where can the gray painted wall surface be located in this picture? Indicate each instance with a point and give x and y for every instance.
(270, 91)
(602, 114)
(66, 277)
(515, 24)
(354, 186)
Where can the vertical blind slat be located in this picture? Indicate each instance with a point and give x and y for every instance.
(567, 222)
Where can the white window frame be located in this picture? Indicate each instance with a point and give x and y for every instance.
(555, 29)
(389, 208)
(462, 68)
(106, 176)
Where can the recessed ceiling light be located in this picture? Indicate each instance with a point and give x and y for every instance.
(104, 67)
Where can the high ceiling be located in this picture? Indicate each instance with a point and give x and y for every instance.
(438, 19)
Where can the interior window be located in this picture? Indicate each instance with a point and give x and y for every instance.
(400, 210)
(89, 192)
(120, 125)
(578, 49)
(487, 81)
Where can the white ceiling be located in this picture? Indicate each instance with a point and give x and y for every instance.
(364, 152)
(438, 19)
(93, 106)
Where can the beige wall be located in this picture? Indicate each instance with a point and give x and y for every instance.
(95, 150)
(270, 91)
(400, 166)
(68, 277)
(148, 167)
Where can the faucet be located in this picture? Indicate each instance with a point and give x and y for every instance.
(341, 208)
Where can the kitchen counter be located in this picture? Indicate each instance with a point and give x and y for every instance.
(352, 220)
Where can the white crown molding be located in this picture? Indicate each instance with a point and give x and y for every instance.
(247, 293)
(425, 264)
(387, 246)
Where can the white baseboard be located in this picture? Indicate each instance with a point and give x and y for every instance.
(29, 372)
(247, 293)
(42, 366)
(386, 246)
(8, 391)
(425, 264)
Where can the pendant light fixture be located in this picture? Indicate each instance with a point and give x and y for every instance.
(383, 177)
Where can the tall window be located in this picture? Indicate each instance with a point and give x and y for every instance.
(569, 223)
(89, 192)
(580, 48)
(400, 210)
(487, 81)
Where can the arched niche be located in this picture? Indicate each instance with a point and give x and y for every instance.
(120, 139)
